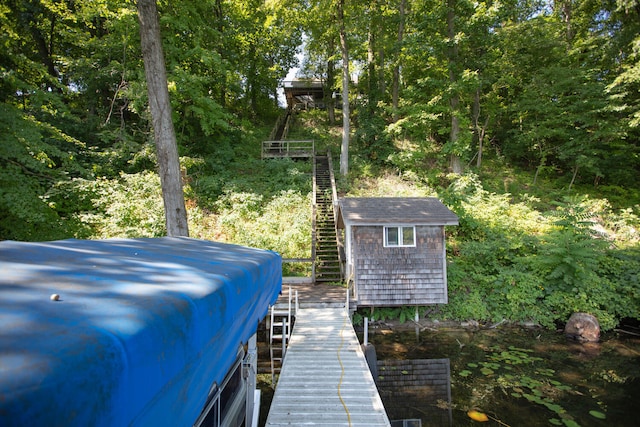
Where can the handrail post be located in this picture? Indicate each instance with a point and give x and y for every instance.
(313, 221)
(365, 338)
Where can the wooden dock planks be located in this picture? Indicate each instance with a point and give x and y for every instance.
(325, 380)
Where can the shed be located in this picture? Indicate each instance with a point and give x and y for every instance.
(395, 249)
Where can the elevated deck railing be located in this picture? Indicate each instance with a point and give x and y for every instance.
(292, 149)
(334, 199)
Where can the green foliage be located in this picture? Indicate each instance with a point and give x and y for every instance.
(34, 157)
(282, 225)
(372, 139)
(129, 206)
(264, 204)
(557, 105)
(511, 262)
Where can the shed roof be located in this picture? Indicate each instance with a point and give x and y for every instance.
(394, 210)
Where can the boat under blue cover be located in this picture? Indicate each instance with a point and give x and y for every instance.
(141, 331)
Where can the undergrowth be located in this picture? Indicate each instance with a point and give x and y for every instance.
(521, 252)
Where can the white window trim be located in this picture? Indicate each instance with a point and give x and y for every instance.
(401, 243)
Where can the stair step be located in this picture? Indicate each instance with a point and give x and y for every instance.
(280, 313)
(328, 265)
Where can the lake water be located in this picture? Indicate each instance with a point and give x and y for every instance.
(514, 376)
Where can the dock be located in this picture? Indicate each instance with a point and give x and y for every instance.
(325, 379)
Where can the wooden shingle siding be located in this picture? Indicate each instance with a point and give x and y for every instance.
(399, 275)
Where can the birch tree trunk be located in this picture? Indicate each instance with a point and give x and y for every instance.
(330, 101)
(164, 133)
(455, 164)
(344, 152)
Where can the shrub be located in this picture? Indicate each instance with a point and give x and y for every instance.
(130, 206)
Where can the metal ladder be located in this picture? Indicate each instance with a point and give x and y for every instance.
(279, 334)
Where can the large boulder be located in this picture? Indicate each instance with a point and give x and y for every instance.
(583, 327)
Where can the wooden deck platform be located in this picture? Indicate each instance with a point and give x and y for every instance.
(325, 379)
(314, 295)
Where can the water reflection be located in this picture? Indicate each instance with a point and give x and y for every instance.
(413, 390)
(516, 376)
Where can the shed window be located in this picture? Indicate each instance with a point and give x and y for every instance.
(400, 236)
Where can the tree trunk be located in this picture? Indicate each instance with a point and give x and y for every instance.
(219, 15)
(344, 152)
(475, 113)
(564, 8)
(371, 64)
(331, 74)
(164, 133)
(480, 130)
(543, 161)
(382, 85)
(455, 163)
(573, 178)
(395, 85)
(252, 78)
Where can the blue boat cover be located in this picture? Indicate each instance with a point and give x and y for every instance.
(141, 330)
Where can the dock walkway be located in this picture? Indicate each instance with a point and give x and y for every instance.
(325, 379)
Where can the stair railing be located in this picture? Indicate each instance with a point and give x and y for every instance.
(334, 202)
(313, 222)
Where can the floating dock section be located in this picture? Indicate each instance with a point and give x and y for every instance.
(325, 379)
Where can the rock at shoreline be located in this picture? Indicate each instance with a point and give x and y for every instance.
(583, 327)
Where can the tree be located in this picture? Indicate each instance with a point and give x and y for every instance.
(454, 101)
(160, 106)
(395, 85)
(344, 151)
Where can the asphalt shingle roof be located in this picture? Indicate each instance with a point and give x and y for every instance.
(394, 210)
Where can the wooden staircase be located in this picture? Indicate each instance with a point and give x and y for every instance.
(327, 264)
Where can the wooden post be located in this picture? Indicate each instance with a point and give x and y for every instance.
(366, 331)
